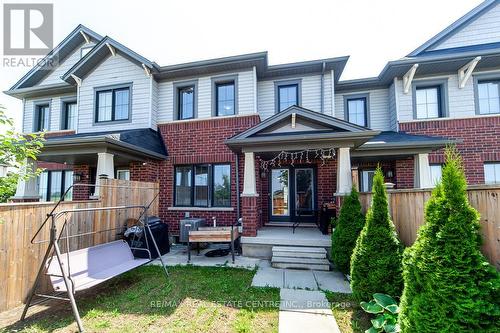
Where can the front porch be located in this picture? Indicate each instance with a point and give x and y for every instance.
(261, 245)
(299, 162)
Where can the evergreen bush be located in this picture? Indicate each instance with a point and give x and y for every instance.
(449, 284)
(346, 232)
(376, 261)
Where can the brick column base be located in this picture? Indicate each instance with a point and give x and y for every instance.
(250, 214)
(82, 192)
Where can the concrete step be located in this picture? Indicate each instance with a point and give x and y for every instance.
(300, 263)
(299, 252)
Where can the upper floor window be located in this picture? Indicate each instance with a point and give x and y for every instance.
(357, 110)
(225, 98)
(488, 97)
(203, 185)
(69, 116)
(492, 173)
(42, 119)
(186, 102)
(428, 102)
(113, 104)
(288, 95)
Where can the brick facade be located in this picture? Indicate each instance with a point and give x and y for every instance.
(197, 142)
(82, 192)
(480, 136)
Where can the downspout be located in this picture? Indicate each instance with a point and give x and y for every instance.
(237, 164)
(323, 87)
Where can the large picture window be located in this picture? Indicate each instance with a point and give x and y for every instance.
(52, 184)
(203, 185)
(113, 104)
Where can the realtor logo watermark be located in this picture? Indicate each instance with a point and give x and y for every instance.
(28, 33)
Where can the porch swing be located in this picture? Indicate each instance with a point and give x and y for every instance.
(84, 268)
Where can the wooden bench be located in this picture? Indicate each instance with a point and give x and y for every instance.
(213, 235)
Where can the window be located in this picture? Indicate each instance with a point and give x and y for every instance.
(357, 111)
(69, 115)
(203, 185)
(123, 174)
(492, 173)
(85, 50)
(113, 104)
(225, 99)
(366, 180)
(488, 97)
(435, 173)
(42, 118)
(288, 95)
(186, 103)
(52, 184)
(428, 102)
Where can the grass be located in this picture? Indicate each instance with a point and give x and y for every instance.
(195, 299)
(348, 314)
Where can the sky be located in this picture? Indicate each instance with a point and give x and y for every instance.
(172, 31)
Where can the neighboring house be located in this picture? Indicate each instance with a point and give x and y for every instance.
(235, 136)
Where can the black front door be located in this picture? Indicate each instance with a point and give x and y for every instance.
(292, 194)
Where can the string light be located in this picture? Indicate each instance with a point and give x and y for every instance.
(301, 156)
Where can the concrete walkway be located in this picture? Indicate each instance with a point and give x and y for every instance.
(305, 311)
(301, 279)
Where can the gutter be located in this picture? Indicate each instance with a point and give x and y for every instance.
(323, 88)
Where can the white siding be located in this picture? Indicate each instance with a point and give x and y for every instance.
(392, 108)
(204, 93)
(115, 70)
(484, 29)
(310, 97)
(55, 103)
(154, 103)
(379, 107)
(460, 101)
(55, 76)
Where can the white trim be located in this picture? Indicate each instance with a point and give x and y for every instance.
(77, 80)
(408, 78)
(396, 101)
(146, 69)
(465, 72)
(111, 49)
(86, 37)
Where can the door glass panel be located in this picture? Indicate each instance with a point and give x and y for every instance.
(304, 189)
(279, 192)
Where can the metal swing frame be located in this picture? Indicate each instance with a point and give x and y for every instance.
(53, 247)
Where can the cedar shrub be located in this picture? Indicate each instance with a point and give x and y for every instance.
(346, 232)
(376, 261)
(449, 284)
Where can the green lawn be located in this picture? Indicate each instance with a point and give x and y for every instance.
(348, 314)
(195, 299)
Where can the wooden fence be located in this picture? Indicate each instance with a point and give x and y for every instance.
(407, 211)
(20, 260)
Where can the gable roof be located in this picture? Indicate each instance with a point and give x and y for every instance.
(62, 50)
(329, 129)
(454, 27)
(99, 53)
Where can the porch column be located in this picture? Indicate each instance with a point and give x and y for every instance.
(344, 178)
(422, 171)
(27, 190)
(249, 202)
(249, 185)
(105, 166)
